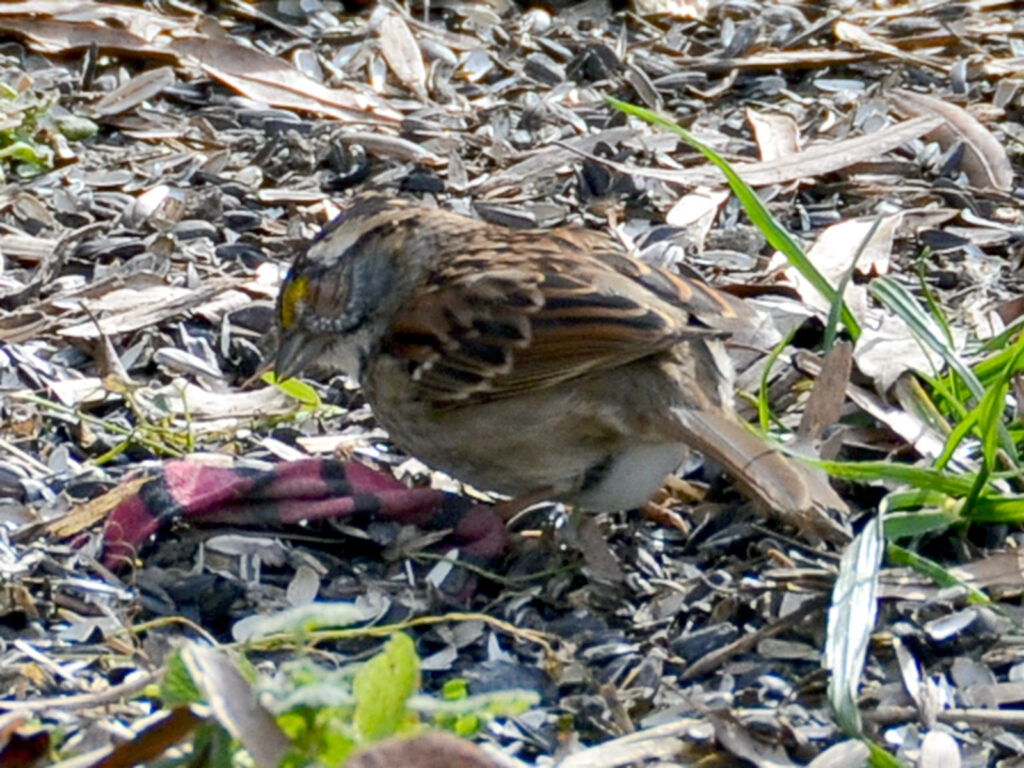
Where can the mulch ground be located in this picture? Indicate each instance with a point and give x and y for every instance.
(162, 167)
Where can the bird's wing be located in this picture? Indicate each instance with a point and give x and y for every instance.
(531, 309)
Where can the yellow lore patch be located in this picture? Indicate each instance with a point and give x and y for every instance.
(293, 292)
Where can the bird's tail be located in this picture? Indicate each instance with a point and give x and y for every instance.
(797, 493)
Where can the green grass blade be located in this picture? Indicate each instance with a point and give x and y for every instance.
(1002, 340)
(930, 333)
(926, 330)
(994, 365)
(952, 390)
(990, 417)
(835, 311)
(960, 431)
(851, 620)
(998, 509)
(912, 524)
(775, 233)
(897, 555)
(764, 410)
(918, 477)
(911, 498)
(882, 759)
(990, 420)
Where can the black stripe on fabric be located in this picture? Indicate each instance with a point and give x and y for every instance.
(159, 500)
(450, 511)
(335, 478)
(365, 503)
(259, 480)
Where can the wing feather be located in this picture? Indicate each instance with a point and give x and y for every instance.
(543, 308)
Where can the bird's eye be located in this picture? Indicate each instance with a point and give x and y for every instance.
(294, 291)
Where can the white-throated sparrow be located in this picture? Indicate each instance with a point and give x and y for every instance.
(536, 363)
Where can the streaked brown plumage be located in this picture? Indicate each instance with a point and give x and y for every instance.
(531, 362)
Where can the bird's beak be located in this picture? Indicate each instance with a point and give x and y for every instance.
(296, 350)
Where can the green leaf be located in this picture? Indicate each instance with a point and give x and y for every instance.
(467, 725)
(215, 744)
(296, 389)
(36, 155)
(382, 686)
(991, 424)
(960, 431)
(990, 420)
(178, 687)
(456, 688)
(335, 747)
(912, 498)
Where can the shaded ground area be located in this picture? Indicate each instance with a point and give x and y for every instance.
(163, 167)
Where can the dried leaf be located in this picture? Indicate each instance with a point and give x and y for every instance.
(135, 309)
(776, 133)
(269, 79)
(861, 38)
(887, 348)
(829, 393)
(815, 160)
(737, 739)
(985, 160)
(49, 36)
(697, 211)
(90, 513)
